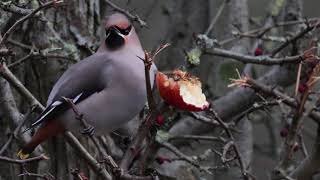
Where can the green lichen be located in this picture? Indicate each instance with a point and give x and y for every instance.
(275, 10)
(162, 136)
(71, 50)
(193, 56)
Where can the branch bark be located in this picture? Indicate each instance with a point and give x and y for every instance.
(13, 80)
(311, 164)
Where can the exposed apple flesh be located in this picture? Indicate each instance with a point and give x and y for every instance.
(181, 90)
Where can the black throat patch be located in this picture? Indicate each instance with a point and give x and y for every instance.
(114, 40)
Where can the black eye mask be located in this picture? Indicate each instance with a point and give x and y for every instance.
(124, 31)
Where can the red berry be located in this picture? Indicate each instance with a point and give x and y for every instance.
(162, 159)
(258, 51)
(284, 132)
(160, 120)
(302, 88)
(83, 176)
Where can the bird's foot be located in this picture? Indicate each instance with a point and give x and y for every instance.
(88, 131)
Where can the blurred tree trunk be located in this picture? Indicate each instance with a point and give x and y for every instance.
(70, 31)
(239, 21)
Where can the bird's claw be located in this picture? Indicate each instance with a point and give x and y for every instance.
(88, 131)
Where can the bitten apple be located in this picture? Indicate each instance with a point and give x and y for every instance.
(181, 90)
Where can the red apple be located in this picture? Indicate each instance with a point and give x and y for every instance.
(181, 90)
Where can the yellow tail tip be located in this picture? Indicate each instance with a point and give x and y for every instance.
(22, 155)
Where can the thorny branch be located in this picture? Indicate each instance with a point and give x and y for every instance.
(273, 92)
(116, 170)
(148, 121)
(299, 106)
(226, 128)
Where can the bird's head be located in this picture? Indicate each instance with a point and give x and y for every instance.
(119, 31)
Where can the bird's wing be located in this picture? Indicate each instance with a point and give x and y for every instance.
(80, 81)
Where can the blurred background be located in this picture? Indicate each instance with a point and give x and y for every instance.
(73, 31)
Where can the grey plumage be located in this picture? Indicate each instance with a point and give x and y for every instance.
(109, 85)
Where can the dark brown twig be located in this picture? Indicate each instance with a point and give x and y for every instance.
(148, 122)
(295, 38)
(108, 159)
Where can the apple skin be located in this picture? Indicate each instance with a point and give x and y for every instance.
(169, 90)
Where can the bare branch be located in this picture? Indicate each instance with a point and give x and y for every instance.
(13, 80)
(215, 19)
(296, 37)
(19, 161)
(127, 13)
(264, 60)
(20, 21)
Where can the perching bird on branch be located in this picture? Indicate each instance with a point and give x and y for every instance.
(107, 88)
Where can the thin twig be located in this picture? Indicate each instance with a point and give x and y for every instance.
(20, 21)
(202, 118)
(235, 146)
(108, 159)
(268, 28)
(13, 80)
(19, 161)
(215, 19)
(295, 38)
(264, 60)
(127, 13)
(303, 145)
(148, 121)
(16, 131)
(197, 138)
(182, 156)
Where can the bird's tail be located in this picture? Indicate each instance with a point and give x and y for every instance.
(48, 129)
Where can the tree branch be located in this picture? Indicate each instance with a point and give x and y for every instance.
(24, 18)
(13, 80)
(19, 161)
(127, 13)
